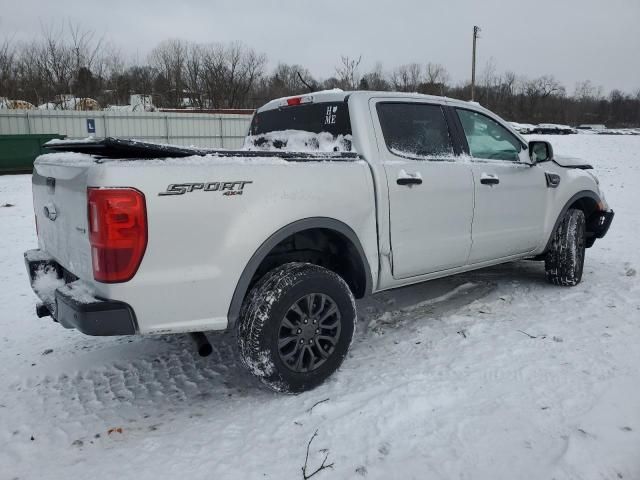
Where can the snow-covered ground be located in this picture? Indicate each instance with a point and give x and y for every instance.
(489, 375)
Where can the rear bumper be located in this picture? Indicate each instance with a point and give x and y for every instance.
(68, 301)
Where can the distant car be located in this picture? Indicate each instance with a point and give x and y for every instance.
(523, 128)
(619, 131)
(553, 129)
(368, 191)
(592, 126)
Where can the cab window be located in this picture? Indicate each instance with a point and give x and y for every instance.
(415, 130)
(487, 138)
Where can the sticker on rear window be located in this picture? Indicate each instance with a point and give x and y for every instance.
(330, 117)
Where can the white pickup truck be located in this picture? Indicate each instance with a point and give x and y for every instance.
(336, 195)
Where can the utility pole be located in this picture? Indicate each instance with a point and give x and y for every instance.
(476, 31)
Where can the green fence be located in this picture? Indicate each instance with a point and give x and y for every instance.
(17, 152)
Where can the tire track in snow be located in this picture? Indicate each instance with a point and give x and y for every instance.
(88, 402)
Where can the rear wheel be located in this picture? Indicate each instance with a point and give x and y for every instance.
(296, 326)
(564, 262)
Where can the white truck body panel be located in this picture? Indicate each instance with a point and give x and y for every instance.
(199, 243)
(507, 218)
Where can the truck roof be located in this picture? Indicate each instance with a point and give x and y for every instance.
(338, 95)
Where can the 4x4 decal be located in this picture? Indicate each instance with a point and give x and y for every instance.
(226, 188)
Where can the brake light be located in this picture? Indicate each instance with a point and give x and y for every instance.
(293, 101)
(117, 232)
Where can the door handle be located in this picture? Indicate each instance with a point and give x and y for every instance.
(409, 179)
(487, 179)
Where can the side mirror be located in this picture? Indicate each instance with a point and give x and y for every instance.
(540, 151)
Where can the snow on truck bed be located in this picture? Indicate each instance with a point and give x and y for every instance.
(273, 148)
(487, 375)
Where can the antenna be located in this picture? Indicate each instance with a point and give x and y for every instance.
(305, 83)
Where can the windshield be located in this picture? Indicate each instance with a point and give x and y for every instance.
(309, 127)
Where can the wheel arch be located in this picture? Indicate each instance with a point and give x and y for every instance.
(586, 200)
(330, 225)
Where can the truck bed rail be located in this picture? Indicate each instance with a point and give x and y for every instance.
(117, 148)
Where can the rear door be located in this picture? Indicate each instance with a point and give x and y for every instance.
(430, 188)
(509, 192)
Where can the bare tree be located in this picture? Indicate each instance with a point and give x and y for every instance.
(407, 78)
(230, 73)
(169, 59)
(544, 87)
(84, 46)
(347, 72)
(436, 79)
(193, 75)
(436, 74)
(288, 80)
(585, 91)
(509, 80)
(244, 68)
(68, 59)
(7, 68)
(375, 79)
(56, 59)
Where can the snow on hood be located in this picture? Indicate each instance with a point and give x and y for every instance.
(299, 141)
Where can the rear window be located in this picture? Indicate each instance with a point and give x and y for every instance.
(316, 126)
(415, 130)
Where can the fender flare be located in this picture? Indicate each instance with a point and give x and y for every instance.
(581, 194)
(261, 253)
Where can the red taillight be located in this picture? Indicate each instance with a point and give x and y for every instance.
(117, 232)
(293, 101)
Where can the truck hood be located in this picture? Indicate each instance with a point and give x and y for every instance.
(572, 162)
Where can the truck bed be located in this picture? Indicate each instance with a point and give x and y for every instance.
(117, 148)
(207, 213)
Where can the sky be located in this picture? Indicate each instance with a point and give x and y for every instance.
(572, 40)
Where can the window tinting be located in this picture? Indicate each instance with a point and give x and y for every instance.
(487, 138)
(331, 117)
(415, 129)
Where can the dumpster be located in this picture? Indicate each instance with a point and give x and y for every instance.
(17, 152)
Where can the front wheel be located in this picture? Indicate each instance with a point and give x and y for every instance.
(564, 261)
(296, 326)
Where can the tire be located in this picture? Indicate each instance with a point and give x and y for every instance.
(564, 262)
(277, 345)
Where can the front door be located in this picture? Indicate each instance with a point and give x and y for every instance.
(430, 189)
(509, 192)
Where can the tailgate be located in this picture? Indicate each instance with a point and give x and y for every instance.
(60, 205)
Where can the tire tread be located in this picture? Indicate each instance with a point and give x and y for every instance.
(564, 262)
